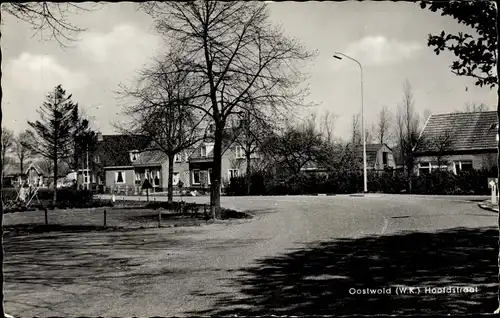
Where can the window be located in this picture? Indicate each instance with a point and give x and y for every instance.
(178, 158)
(186, 157)
(134, 154)
(240, 154)
(196, 176)
(232, 173)
(384, 158)
(210, 176)
(460, 166)
(157, 179)
(424, 168)
(86, 177)
(120, 176)
(97, 159)
(175, 178)
(203, 151)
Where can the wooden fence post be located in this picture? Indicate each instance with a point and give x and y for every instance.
(105, 218)
(159, 217)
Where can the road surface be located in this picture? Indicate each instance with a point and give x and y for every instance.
(259, 266)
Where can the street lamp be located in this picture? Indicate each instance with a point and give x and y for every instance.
(339, 55)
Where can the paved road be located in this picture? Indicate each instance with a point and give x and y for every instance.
(165, 272)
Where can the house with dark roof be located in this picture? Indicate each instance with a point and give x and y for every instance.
(122, 163)
(113, 161)
(458, 142)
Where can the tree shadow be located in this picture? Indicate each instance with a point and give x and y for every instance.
(320, 279)
(36, 228)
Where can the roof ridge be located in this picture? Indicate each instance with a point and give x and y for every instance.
(462, 113)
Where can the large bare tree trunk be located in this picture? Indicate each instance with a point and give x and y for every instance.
(248, 173)
(170, 178)
(217, 169)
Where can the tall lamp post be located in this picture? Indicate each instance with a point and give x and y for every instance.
(339, 55)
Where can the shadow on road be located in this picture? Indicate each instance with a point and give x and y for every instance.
(316, 280)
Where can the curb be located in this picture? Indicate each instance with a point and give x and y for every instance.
(488, 208)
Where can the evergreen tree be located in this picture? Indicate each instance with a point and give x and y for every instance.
(54, 130)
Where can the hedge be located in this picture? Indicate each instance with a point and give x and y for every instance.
(437, 182)
(66, 198)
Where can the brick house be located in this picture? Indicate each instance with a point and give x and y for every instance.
(201, 163)
(122, 163)
(113, 161)
(152, 164)
(458, 142)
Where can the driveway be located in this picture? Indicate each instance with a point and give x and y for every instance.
(260, 266)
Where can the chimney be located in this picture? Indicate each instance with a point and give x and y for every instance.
(99, 136)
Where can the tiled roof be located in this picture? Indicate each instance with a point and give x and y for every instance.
(114, 149)
(151, 158)
(468, 131)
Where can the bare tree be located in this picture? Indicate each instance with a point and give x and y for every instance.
(369, 135)
(160, 110)
(356, 130)
(408, 122)
(383, 125)
(471, 107)
(7, 146)
(21, 148)
(238, 56)
(295, 146)
(49, 19)
(327, 126)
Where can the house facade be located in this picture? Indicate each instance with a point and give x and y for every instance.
(153, 165)
(379, 157)
(113, 162)
(233, 164)
(125, 162)
(458, 142)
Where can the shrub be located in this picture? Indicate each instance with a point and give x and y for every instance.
(66, 198)
(438, 182)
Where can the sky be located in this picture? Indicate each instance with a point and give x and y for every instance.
(389, 39)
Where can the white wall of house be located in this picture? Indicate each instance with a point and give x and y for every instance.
(456, 162)
(379, 162)
(127, 173)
